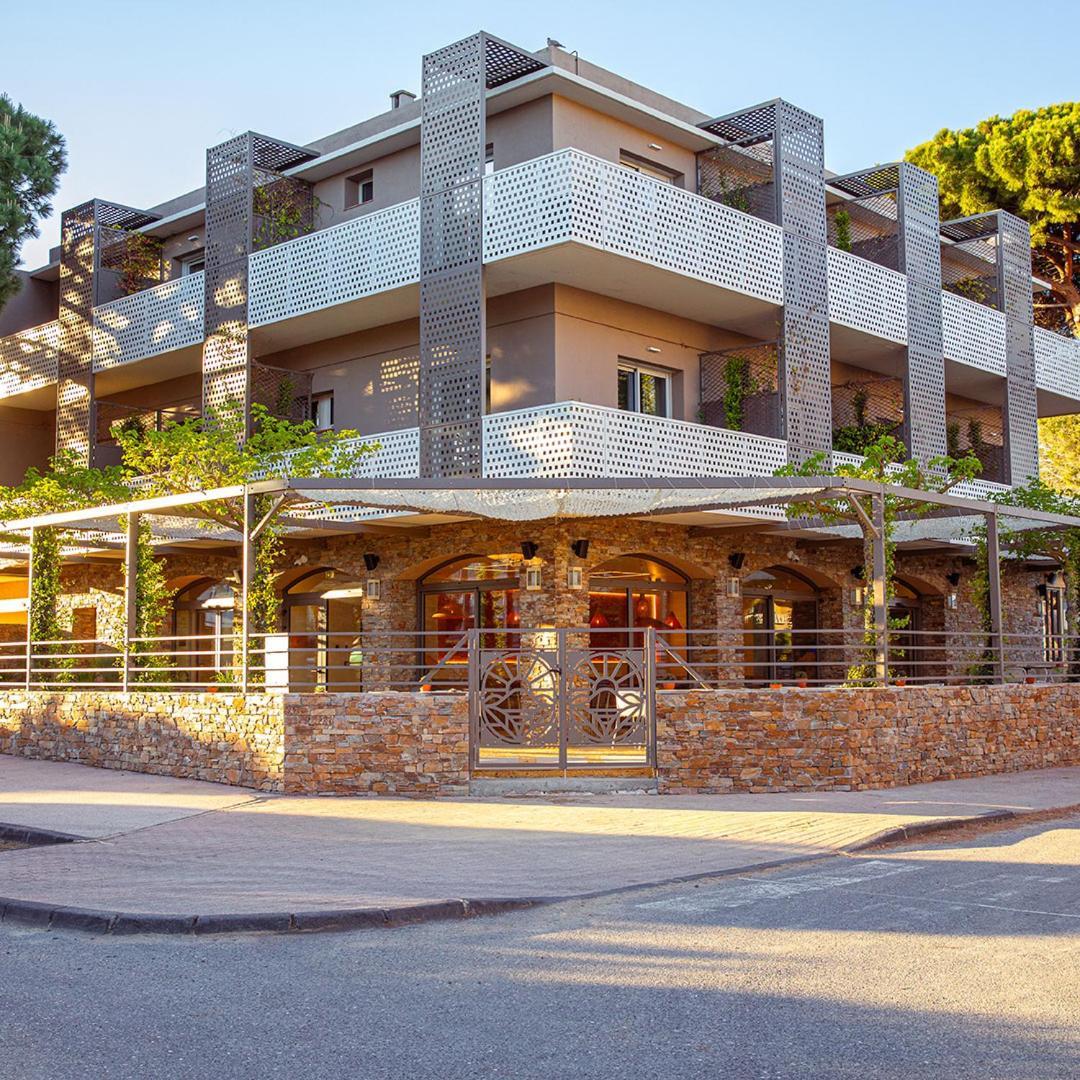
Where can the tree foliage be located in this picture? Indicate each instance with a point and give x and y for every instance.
(885, 461)
(1059, 452)
(1028, 164)
(32, 157)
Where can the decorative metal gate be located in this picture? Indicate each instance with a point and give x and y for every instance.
(548, 699)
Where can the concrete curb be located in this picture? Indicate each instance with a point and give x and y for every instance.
(26, 834)
(32, 914)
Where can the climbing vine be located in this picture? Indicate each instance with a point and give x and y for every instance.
(884, 463)
(152, 598)
(842, 225)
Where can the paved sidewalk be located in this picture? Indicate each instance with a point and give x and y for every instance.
(59, 797)
(287, 854)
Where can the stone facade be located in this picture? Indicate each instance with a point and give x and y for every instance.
(376, 744)
(852, 739)
(355, 744)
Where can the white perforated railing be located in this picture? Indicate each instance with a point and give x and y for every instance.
(969, 489)
(28, 359)
(972, 333)
(866, 296)
(1057, 363)
(571, 438)
(357, 258)
(573, 196)
(166, 317)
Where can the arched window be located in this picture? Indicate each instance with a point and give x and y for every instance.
(633, 592)
(468, 592)
(780, 626)
(321, 610)
(203, 616)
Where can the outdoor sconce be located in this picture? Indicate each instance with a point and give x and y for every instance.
(373, 589)
(573, 577)
(580, 548)
(371, 560)
(737, 558)
(858, 593)
(529, 549)
(734, 586)
(532, 579)
(951, 599)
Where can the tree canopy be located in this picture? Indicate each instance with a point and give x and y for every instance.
(32, 157)
(1028, 164)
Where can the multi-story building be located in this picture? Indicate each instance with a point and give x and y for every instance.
(539, 269)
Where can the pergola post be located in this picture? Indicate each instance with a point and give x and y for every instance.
(247, 572)
(29, 607)
(993, 574)
(131, 590)
(880, 594)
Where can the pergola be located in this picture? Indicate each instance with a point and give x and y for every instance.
(311, 506)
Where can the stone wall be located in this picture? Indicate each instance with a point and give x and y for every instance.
(397, 744)
(377, 744)
(852, 739)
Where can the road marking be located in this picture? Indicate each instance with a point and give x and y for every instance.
(755, 890)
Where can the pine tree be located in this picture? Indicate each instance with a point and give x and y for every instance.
(1028, 164)
(32, 157)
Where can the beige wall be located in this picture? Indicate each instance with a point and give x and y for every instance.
(594, 332)
(550, 343)
(586, 129)
(28, 437)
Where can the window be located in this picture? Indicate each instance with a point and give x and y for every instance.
(322, 410)
(487, 384)
(359, 189)
(1051, 601)
(489, 159)
(650, 168)
(193, 263)
(644, 390)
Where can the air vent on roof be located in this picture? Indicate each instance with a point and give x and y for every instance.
(400, 97)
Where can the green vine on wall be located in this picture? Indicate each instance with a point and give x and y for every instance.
(842, 226)
(739, 384)
(152, 600)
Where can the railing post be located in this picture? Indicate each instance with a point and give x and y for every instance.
(28, 659)
(880, 586)
(993, 574)
(473, 648)
(650, 695)
(247, 571)
(131, 571)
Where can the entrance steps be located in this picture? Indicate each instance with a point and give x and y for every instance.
(554, 782)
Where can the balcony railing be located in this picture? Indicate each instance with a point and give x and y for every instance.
(28, 359)
(168, 316)
(564, 197)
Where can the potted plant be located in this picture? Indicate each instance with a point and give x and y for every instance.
(901, 680)
(426, 688)
(776, 686)
(802, 679)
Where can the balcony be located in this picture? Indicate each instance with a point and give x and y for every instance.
(28, 361)
(566, 217)
(148, 323)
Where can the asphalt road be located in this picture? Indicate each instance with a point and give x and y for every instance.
(954, 959)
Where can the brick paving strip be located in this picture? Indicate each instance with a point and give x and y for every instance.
(162, 855)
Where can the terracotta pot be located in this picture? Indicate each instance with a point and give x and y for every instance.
(426, 688)
(211, 689)
(667, 686)
(901, 682)
(802, 684)
(776, 686)
(1029, 679)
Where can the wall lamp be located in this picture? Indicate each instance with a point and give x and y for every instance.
(580, 548)
(736, 559)
(371, 560)
(529, 548)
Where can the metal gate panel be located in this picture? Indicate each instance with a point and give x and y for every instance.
(533, 706)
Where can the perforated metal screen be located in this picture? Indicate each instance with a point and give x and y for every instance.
(84, 231)
(774, 168)
(1014, 245)
(453, 332)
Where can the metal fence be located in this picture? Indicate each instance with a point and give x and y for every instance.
(323, 661)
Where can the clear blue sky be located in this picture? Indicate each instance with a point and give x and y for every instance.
(140, 88)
